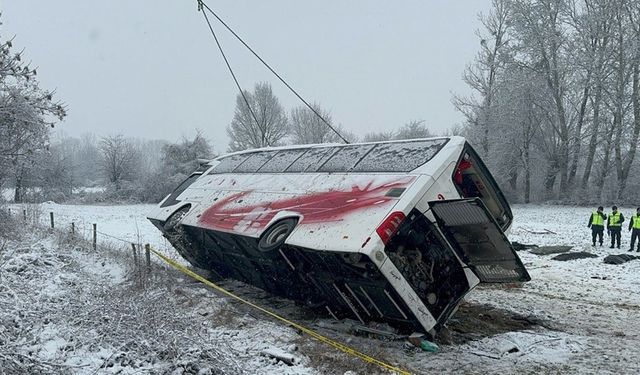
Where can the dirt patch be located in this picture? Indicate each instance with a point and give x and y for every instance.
(476, 321)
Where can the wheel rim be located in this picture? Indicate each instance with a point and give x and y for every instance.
(176, 218)
(277, 235)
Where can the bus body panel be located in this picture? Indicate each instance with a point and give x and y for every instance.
(334, 253)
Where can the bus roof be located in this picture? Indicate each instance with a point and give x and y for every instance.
(385, 156)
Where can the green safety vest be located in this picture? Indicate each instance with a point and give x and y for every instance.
(614, 219)
(596, 219)
(636, 221)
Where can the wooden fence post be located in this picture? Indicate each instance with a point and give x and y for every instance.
(24, 215)
(135, 256)
(51, 216)
(73, 228)
(95, 236)
(147, 253)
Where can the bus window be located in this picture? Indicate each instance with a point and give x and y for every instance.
(282, 160)
(255, 161)
(472, 179)
(229, 163)
(400, 156)
(311, 160)
(346, 158)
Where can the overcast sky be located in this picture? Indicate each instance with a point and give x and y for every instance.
(150, 68)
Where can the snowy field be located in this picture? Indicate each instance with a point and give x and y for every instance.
(578, 316)
(118, 224)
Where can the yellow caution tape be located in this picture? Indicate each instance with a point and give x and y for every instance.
(343, 348)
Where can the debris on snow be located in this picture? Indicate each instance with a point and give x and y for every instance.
(522, 246)
(546, 250)
(573, 256)
(419, 340)
(280, 355)
(619, 258)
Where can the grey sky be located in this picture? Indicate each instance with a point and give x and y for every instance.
(150, 69)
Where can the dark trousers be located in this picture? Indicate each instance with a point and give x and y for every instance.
(615, 235)
(597, 231)
(635, 235)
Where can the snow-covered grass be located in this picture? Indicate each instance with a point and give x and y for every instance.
(584, 313)
(67, 309)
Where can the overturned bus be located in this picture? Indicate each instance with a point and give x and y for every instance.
(395, 231)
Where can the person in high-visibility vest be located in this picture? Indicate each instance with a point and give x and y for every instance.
(596, 223)
(634, 227)
(614, 226)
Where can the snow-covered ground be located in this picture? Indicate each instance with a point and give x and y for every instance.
(123, 222)
(578, 316)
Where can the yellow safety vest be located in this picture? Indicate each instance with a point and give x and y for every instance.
(636, 221)
(596, 219)
(614, 219)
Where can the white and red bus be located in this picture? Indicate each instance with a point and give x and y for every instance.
(395, 231)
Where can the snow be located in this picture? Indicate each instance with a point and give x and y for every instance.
(585, 312)
(125, 222)
(6, 194)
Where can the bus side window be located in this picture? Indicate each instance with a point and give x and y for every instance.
(254, 162)
(281, 161)
(399, 156)
(345, 158)
(229, 163)
(311, 160)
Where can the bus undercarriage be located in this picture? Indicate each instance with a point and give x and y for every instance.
(349, 285)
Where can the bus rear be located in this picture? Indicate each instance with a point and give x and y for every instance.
(448, 235)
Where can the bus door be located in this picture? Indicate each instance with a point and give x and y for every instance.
(478, 240)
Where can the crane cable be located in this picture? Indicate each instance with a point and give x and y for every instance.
(202, 6)
(215, 37)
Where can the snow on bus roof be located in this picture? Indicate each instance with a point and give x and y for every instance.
(385, 156)
(320, 145)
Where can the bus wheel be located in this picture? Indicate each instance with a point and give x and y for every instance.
(275, 236)
(171, 225)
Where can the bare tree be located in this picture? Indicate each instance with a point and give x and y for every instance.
(483, 73)
(306, 127)
(268, 127)
(413, 129)
(378, 136)
(117, 159)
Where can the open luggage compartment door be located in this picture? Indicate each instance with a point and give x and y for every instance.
(479, 241)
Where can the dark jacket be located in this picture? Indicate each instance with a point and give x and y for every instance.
(631, 223)
(604, 219)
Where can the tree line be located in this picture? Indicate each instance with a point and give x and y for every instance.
(27, 113)
(260, 120)
(556, 104)
(92, 169)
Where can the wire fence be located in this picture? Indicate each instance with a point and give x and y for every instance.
(142, 264)
(79, 230)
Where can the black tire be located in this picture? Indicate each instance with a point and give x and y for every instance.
(275, 236)
(175, 234)
(171, 226)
